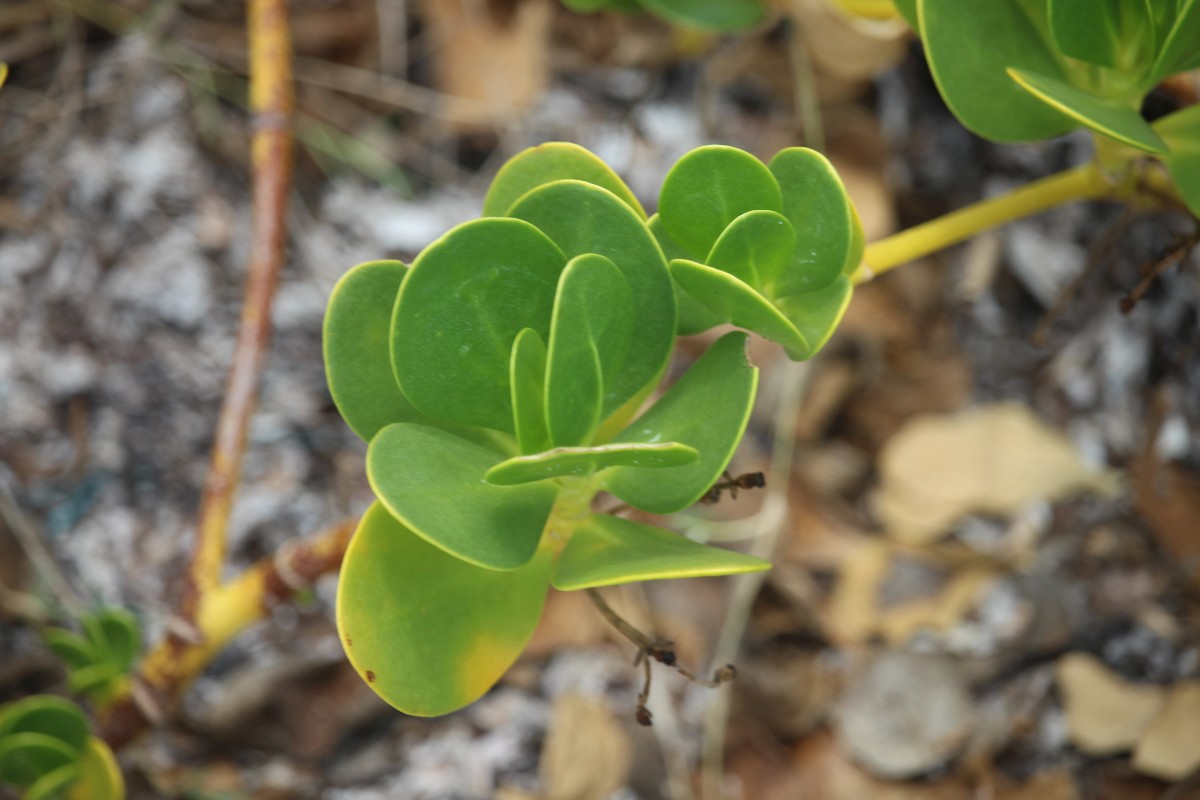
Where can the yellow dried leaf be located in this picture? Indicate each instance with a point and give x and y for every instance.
(1106, 714)
(586, 755)
(1170, 748)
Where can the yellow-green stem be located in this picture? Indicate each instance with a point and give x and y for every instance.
(1081, 183)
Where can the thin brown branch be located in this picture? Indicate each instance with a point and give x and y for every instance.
(271, 102)
(1173, 256)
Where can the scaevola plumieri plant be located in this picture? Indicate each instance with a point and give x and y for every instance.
(501, 381)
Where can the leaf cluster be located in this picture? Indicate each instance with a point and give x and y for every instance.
(47, 751)
(708, 15)
(99, 659)
(1020, 70)
(499, 380)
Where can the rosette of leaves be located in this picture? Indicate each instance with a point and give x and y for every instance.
(708, 15)
(1021, 70)
(498, 381)
(47, 751)
(99, 659)
(767, 247)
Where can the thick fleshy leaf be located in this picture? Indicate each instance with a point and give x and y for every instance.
(583, 461)
(432, 481)
(828, 234)
(428, 632)
(47, 715)
(99, 774)
(817, 314)
(740, 304)
(465, 299)
(712, 15)
(581, 218)
(1181, 131)
(527, 376)
(547, 163)
(756, 247)
(908, 10)
(1103, 115)
(694, 316)
(73, 649)
(117, 630)
(607, 550)
(25, 757)
(1180, 50)
(1110, 33)
(590, 334)
(709, 188)
(53, 783)
(707, 409)
(355, 339)
(970, 46)
(97, 679)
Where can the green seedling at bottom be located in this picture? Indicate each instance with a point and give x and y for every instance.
(47, 752)
(500, 382)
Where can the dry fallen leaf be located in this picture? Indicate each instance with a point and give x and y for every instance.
(586, 755)
(1170, 747)
(1105, 713)
(992, 460)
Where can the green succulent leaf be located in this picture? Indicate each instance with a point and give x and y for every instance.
(99, 774)
(755, 248)
(465, 299)
(428, 632)
(547, 163)
(1119, 34)
(1180, 50)
(527, 377)
(712, 15)
(46, 715)
(75, 651)
(817, 314)
(829, 237)
(432, 481)
(970, 46)
(53, 783)
(694, 316)
(706, 409)
(607, 550)
(741, 305)
(908, 10)
(590, 334)
(26, 757)
(116, 631)
(1181, 131)
(583, 461)
(1106, 116)
(356, 339)
(581, 218)
(96, 679)
(709, 188)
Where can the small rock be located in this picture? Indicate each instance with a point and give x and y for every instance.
(1105, 714)
(1170, 747)
(909, 714)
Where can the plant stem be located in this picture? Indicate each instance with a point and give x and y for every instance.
(271, 102)
(223, 613)
(1080, 183)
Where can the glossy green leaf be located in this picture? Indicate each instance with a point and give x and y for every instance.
(25, 757)
(99, 774)
(583, 461)
(581, 218)
(1110, 33)
(709, 188)
(969, 47)
(53, 783)
(706, 409)
(590, 334)
(712, 15)
(908, 10)
(829, 237)
(1181, 131)
(1105, 116)
(73, 649)
(740, 304)
(755, 248)
(95, 679)
(428, 632)
(694, 316)
(356, 338)
(817, 314)
(527, 376)
(117, 629)
(47, 715)
(465, 299)
(433, 482)
(1180, 50)
(607, 550)
(547, 163)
